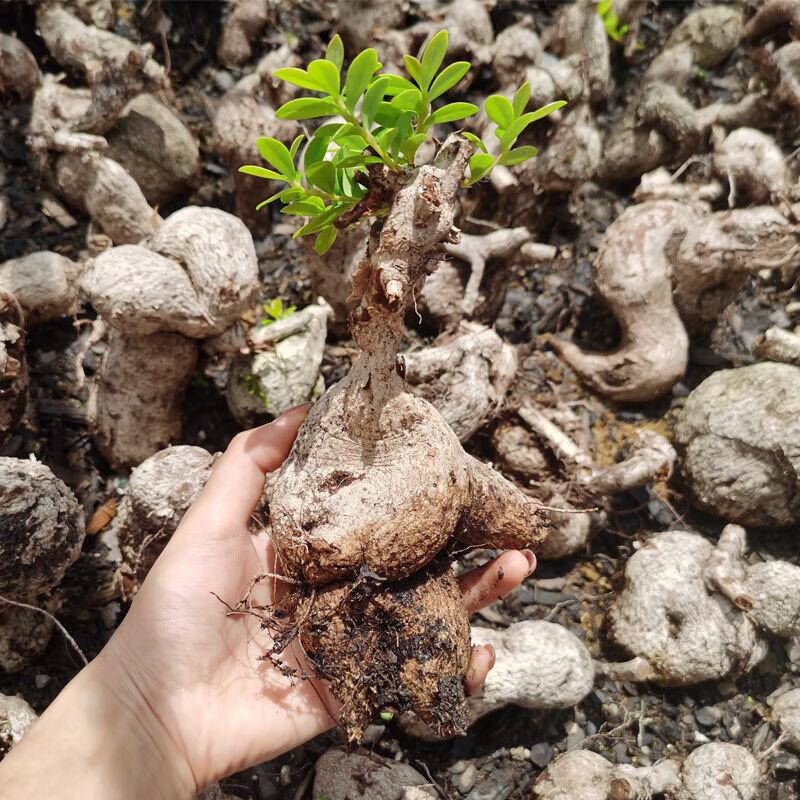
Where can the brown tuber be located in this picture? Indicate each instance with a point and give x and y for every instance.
(714, 771)
(190, 281)
(13, 365)
(160, 491)
(691, 612)
(738, 439)
(538, 665)
(377, 485)
(19, 72)
(41, 533)
(662, 269)
(464, 379)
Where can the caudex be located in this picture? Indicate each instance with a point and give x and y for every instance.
(377, 485)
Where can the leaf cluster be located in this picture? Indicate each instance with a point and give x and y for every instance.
(274, 310)
(375, 119)
(614, 30)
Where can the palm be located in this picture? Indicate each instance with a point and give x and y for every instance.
(199, 668)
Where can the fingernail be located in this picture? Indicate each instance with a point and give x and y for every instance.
(298, 411)
(492, 655)
(531, 558)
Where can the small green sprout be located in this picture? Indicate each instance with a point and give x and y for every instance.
(252, 385)
(383, 119)
(611, 20)
(386, 716)
(274, 311)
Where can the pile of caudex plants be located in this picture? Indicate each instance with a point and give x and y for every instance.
(537, 267)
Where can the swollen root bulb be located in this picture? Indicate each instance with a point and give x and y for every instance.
(405, 646)
(377, 485)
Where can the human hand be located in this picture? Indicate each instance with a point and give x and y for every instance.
(190, 674)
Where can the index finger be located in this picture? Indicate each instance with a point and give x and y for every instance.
(237, 481)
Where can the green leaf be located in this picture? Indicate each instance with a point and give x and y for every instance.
(452, 112)
(432, 57)
(323, 176)
(604, 6)
(402, 132)
(359, 75)
(360, 160)
(372, 100)
(521, 97)
(325, 238)
(307, 207)
(285, 196)
(479, 165)
(512, 132)
(414, 69)
(260, 172)
(499, 110)
(318, 223)
(325, 74)
(306, 108)
(475, 140)
(407, 101)
(387, 114)
(411, 145)
(397, 84)
(295, 146)
(298, 77)
(316, 151)
(334, 52)
(277, 154)
(518, 155)
(448, 78)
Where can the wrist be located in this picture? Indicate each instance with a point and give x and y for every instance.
(99, 738)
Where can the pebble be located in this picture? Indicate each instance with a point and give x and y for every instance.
(286, 775)
(760, 738)
(519, 753)
(223, 79)
(575, 735)
(785, 761)
(109, 613)
(541, 754)
(459, 767)
(708, 716)
(373, 734)
(467, 779)
(620, 750)
(41, 680)
(701, 737)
